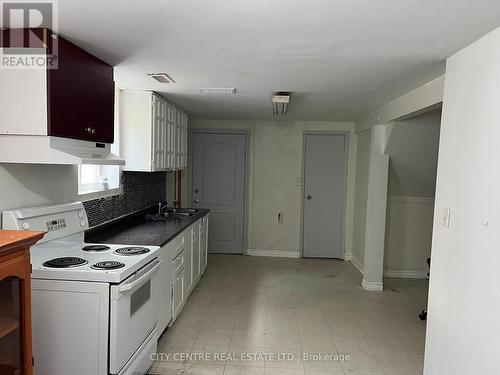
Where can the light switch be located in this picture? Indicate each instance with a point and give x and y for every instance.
(446, 217)
(280, 217)
(299, 181)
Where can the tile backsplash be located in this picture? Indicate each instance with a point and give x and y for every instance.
(140, 189)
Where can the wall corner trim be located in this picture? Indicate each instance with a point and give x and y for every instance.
(274, 253)
(357, 263)
(372, 287)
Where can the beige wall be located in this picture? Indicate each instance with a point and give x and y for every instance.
(413, 149)
(408, 236)
(275, 165)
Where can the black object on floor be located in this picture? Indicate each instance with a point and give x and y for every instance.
(423, 314)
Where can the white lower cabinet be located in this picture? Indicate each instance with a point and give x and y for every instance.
(203, 243)
(178, 297)
(195, 241)
(165, 302)
(184, 260)
(188, 256)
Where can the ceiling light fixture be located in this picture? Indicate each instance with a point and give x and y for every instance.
(161, 77)
(280, 101)
(223, 90)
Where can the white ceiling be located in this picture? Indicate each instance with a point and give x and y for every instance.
(340, 58)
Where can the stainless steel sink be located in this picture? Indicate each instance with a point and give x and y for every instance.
(173, 212)
(181, 211)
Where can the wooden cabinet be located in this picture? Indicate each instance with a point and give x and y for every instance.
(15, 302)
(75, 101)
(154, 133)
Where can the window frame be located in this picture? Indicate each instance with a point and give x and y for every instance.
(94, 192)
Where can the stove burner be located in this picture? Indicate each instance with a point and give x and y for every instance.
(133, 250)
(95, 248)
(65, 262)
(108, 265)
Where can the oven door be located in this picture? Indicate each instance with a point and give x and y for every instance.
(133, 314)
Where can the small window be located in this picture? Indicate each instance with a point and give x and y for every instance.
(97, 181)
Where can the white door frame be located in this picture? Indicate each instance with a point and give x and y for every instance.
(244, 132)
(302, 190)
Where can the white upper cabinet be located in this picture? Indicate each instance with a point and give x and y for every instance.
(153, 133)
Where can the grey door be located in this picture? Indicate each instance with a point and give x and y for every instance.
(325, 171)
(218, 183)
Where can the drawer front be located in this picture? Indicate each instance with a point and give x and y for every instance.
(178, 264)
(178, 242)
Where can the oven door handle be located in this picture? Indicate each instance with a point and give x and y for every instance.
(153, 267)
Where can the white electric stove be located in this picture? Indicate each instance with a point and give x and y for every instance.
(94, 306)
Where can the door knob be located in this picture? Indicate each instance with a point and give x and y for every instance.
(196, 201)
(308, 197)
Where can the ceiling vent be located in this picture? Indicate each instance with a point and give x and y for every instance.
(280, 102)
(161, 77)
(223, 90)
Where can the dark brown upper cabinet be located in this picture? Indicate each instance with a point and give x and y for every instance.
(80, 95)
(80, 91)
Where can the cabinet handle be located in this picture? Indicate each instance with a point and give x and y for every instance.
(90, 130)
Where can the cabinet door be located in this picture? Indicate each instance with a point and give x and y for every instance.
(196, 252)
(80, 96)
(159, 141)
(178, 139)
(177, 295)
(188, 255)
(171, 116)
(165, 303)
(204, 244)
(15, 316)
(183, 141)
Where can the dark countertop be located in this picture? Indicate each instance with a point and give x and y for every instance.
(136, 230)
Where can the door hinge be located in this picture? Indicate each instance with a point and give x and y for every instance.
(32, 361)
(31, 268)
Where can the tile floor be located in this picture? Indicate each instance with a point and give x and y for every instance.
(295, 306)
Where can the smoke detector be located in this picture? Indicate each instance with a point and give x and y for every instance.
(280, 101)
(161, 77)
(220, 90)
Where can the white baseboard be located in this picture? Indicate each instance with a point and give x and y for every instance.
(359, 266)
(372, 287)
(274, 253)
(411, 200)
(406, 274)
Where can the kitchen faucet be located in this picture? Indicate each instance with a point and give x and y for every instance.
(161, 207)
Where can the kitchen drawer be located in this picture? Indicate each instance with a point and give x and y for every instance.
(178, 264)
(178, 244)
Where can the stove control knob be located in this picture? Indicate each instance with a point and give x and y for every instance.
(80, 214)
(82, 223)
(26, 226)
